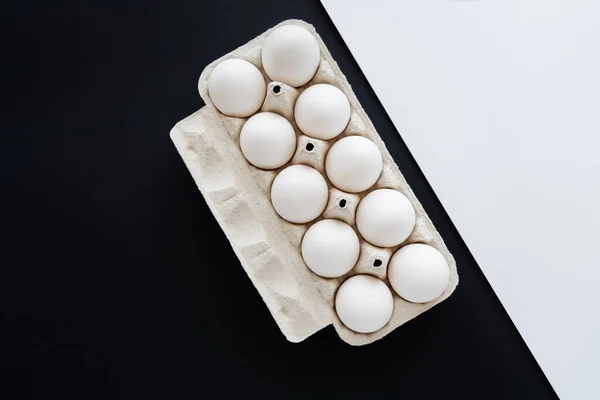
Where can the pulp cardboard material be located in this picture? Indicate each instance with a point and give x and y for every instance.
(268, 247)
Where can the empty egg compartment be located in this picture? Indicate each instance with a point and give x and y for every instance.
(297, 300)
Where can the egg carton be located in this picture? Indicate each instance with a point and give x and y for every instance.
(267, 246)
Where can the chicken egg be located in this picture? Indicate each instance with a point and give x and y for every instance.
(353, 164)
(418, 273)
(364, 303)
(268, 140)
(330, 248)
(299, 194)
(385, 217)
(291, 55)
(322, 111)
(237, 88)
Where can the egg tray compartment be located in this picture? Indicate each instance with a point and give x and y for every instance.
(268, 247)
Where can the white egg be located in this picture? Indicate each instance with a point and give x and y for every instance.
(268, 140)
(418, 273)
(385, 217)
(237, 88)
(291, 55)
(364, 303)
(322, 111)
(330, 248)
(299, 194)
(353, 164)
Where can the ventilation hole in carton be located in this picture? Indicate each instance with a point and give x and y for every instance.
(342, 203)
(309, 146)
(276, 89)
(377, 263)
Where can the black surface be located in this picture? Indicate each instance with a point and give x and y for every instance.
(108, 288)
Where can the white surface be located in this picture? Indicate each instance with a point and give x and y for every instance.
(353, 164)
(364, 303)
(330, 248)
(299, 194)
(237, 88)
(499, 102)
(291, 55)
(385, 217)
(418, 273)
(322, 111)
(268, 140)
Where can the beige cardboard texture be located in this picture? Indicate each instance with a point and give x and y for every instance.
(268, 247)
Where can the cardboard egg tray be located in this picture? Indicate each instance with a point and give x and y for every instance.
(267, 246)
